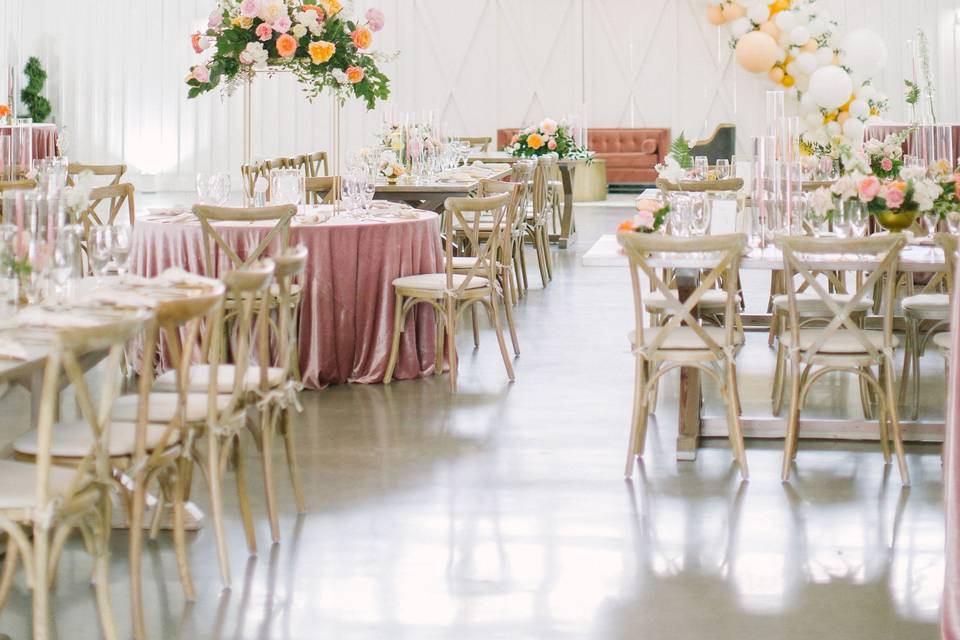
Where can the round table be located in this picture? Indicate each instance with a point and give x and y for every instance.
(346, 316)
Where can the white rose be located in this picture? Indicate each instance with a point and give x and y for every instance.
(298, 31)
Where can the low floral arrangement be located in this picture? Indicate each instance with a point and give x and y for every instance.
(310, 38)
(390, 167)
(549, 136)
(650, 216)
(885, 157)
(913, 190)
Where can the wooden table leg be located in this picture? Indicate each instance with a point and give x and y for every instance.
(688, 437)
(568, 226)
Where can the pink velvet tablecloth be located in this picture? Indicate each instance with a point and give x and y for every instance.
(346, 317)
(951, 461)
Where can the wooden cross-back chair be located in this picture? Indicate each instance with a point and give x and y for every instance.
(950, 245)
(214, 244)
(451, 293)
(323, 189)
(683, 341)
(314, 164)
(843, 345)
(249, 174)
(116, 196)
(45, 502)
(506, 254)
(536, 222)
(111, 174)
(479, 144)
(926, 314)
(521, 172)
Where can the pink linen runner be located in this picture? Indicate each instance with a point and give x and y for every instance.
(346, 318)
(951, 489)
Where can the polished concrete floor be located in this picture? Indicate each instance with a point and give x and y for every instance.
(502, 512)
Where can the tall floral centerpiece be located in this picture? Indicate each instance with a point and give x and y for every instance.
(312, 39)
(549, 136)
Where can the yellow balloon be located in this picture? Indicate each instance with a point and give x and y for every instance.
(779, 5)
(757, 52)
(788, 81)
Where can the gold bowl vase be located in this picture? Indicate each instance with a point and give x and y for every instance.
(896, 221)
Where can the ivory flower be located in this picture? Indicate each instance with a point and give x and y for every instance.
(272, 10)
(355, 74)
(254, 54)
(286, 46)
(246, 22)
(298, 31)
(549, 127)
(340, 76)
(321, 51)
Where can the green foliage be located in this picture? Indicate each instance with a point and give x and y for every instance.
(913, 92)
(37, 105)
(680, 150)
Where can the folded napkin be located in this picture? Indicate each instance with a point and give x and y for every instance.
(318, 216)
(121, 298)
(386, 204)
(12, 350)
(177, 276)
(40, 317)
(458, 176)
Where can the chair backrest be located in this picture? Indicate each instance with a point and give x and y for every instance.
(806, 257)
(323, 189)
(248, 288)
(69, 345)
(116, 195)
(289, 269)
(249, 174)
(514, 213)
(950, 244)
(540, 188)
(725, 251)
(480, 144)
(315, 164)
(214, 243)
(113, 172)
(467, 215)
(17, 184)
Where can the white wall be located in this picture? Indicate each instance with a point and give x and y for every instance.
(117, 69)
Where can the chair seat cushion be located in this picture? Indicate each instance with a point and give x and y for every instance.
(842, 341)
(810, 304)
(711, 299)
(942, 341)
(682, 338)
(74, 439)
(437, 282)
(927, 304)
(200, 378)
(19, 487)
(163, 407)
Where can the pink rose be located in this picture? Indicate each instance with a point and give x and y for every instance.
(215, 19)
(201, 74)
(552, 145)
(515, 139)
(249, 8)
(647, 204)
(868, 188)
(886, 164)
(264, 32)
(894, 198)
(643, 220)
(375, 19)
(282, 25)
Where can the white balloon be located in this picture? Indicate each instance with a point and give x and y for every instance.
(831, 87)
(784, 39)
(864, 52)
(802, 83)
(714, 2)
(817, 27)
(807, 62)
(833, 128)
(759, 13)
(815, 118)
(866, 92)
(747, 4)
(740, 27)
(824, 56)
(799, 36)
(860, 109)
(792, 68)
(808, 105)
(853, 129)
(782, 56)
(785, 21)
(801, 16)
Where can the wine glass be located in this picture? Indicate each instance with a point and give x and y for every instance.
(120, 248)
(203, 188)
(723, 169)
(65, 254)
(351, 191)
(841, 221)
(932, 220)
(858, 220)
(701, 166)
(98, 250)
(368, 188)
(953, 222)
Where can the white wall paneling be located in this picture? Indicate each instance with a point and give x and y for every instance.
(117, 69)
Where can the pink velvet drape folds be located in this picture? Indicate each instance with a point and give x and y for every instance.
(951, 455)
(346, 318)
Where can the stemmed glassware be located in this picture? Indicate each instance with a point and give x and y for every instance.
(932, 220)
(120, 248)
(65, 260)
(701, 167)
(723, 169)
(99, 250)
(203, 188)
(953, 222)
(219, 188)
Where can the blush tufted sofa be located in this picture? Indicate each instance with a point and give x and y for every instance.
(631, 154)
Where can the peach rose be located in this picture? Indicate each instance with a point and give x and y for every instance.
(195, 41)
(625, 227)
(894, 197)
(317, 10)
(362, 37)
(321, 51)
(868, 188)
(355, 74)
(330, 7)
(647, 204)
(286, 45)
(534, 141)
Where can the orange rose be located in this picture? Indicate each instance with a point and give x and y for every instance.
(362, 37)
(321, 51)
(317, 10)
(354, 74)
(4, 111)
(286, 45)
(534, 141)
(330, 7)
(625, 227)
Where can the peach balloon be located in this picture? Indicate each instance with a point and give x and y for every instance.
(757, 52)
(732, 11)
(715, 15)
(770, 29)
(776, 75)
(810, 46)
(843, 117)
